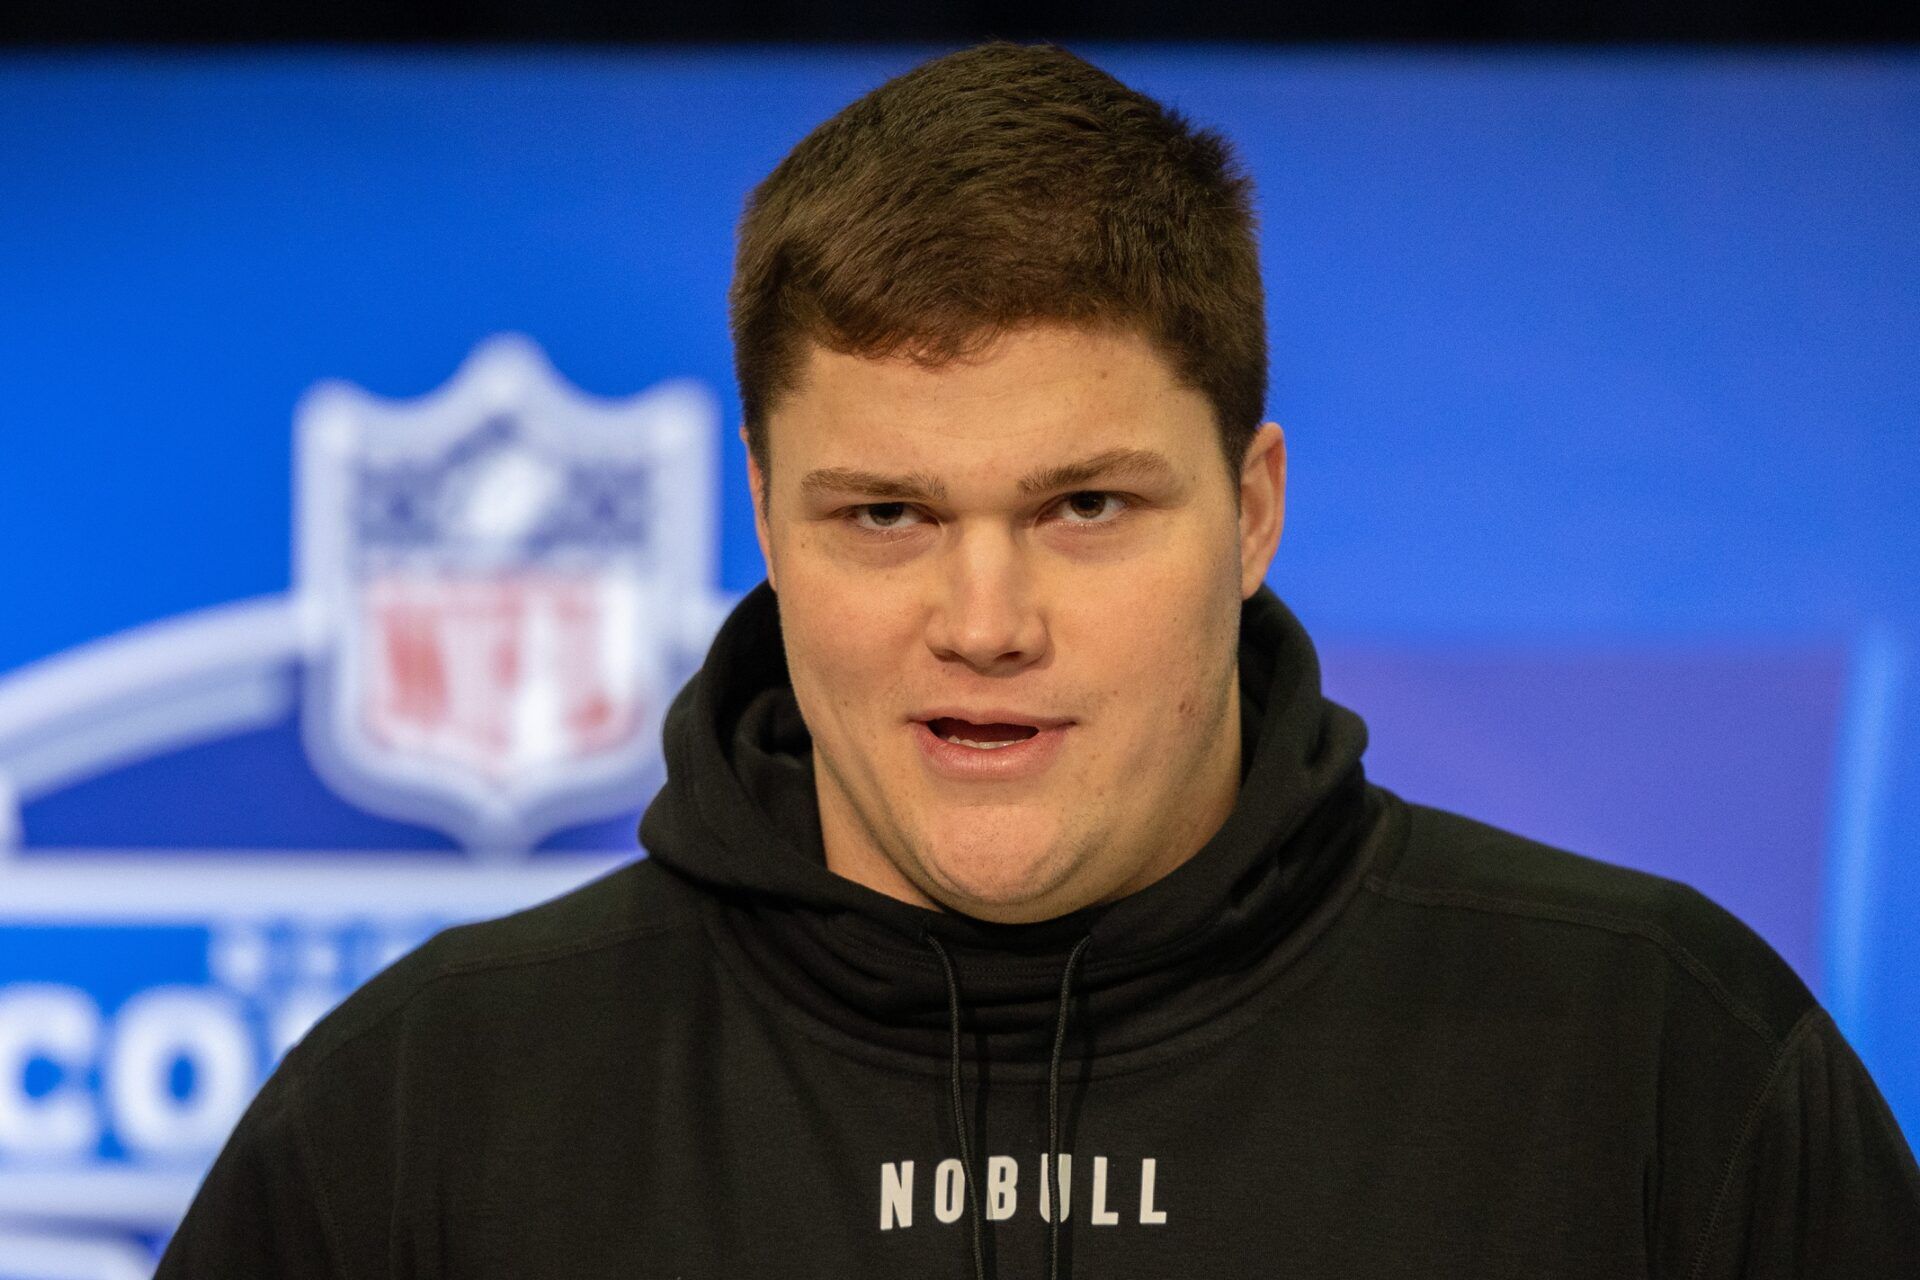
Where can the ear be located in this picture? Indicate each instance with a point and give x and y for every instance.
(757, 490)
(1263, 504)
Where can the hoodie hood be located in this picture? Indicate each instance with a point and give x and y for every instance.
(737, 819)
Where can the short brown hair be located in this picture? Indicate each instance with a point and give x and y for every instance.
(994, 187)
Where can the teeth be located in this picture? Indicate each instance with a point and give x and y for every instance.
(981, 746)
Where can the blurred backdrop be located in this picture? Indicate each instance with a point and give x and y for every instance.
(368, 483)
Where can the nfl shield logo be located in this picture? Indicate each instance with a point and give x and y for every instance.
(501, 584)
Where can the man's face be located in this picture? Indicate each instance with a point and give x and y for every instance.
(1010, 590)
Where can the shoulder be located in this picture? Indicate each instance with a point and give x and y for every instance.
(564, 946)
(483, 1017)
(1454, 864)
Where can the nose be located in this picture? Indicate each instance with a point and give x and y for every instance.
(985, 613)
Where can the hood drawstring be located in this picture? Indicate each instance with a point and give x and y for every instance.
(960, 1105)
(1054, 1180)
(1057, 1192)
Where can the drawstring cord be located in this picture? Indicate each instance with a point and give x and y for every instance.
(959, 1104)
(1054, 1181)
(1057, 1192)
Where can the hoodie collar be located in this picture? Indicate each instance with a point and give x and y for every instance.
(737, 819)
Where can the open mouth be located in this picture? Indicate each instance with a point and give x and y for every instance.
(984, 737)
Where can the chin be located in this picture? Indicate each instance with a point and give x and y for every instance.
(997, 881)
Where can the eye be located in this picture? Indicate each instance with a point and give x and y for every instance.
(1091, 506)
(881, 517)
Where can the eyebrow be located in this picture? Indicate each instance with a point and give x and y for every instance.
(920, 486)
(1113, 464)
(915, 486)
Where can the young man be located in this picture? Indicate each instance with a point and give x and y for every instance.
(1011, 861)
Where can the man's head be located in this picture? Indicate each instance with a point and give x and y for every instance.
(998, 325)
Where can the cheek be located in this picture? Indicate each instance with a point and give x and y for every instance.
(846, 648)
(1161, 670)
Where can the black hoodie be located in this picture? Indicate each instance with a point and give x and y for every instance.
(1351, 1037)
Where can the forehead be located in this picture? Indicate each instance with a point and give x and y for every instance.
(1038, 394)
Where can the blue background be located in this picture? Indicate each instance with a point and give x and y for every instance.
(1598, 373)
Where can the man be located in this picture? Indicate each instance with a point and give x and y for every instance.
(1016, 903)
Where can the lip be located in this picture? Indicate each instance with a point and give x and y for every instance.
(1016, 761)
(990, 715)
